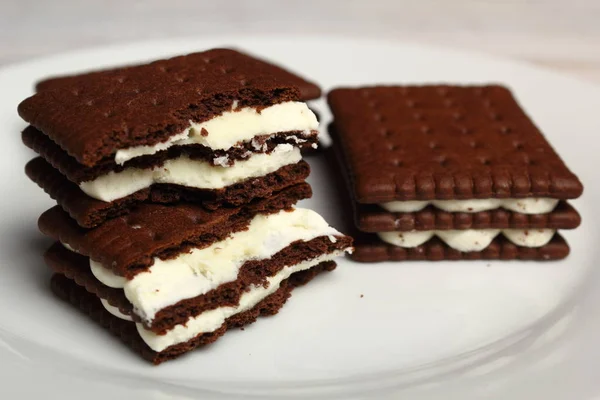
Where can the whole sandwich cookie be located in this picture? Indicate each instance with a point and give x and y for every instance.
(201, 126)
(118, 324)
(178, 277)
(450, 172)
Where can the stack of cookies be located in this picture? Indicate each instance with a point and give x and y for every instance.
(176, 183)
(450, 172)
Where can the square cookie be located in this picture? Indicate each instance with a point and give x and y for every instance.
(219, 128)
(460, 168)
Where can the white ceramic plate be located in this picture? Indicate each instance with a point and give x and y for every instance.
(425, 330)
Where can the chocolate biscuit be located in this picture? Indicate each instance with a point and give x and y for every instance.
(97, 114)
(373, 218)
(444, 142)
(90, 212)
(88, 303)
(308, 90)
(128, 244)
(368, 248)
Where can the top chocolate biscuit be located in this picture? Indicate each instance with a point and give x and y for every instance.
(444, 142)
(308, 89)
(93, 115)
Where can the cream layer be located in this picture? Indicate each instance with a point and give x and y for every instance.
(232, 127)
(469, 239)
(536, 205)
(184, 171)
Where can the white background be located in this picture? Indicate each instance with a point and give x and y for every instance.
(561, 34)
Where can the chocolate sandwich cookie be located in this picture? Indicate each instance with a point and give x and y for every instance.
(251, 273)
(200, 126)
(461, 167)
(90, 212)
(179, 273)
(127, 332)
(77, 173)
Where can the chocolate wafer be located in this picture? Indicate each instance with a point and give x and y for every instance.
(308, 89)
(462, 163)
(445, 142)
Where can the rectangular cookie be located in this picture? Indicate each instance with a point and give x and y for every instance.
(252, 273)
(199, 99)
(218, 127)
(467, 232)
(458, 165)
(439, 142)
(180, 272)
(308, 90)
(126, 331)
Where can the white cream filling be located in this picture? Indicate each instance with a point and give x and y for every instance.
(536, 205)
(469, 239)
(195, 273)
(211, 320)
(191, 173)
(115, 311)
(529, 237)
(68, 247)
(232, 127)
(106, 276)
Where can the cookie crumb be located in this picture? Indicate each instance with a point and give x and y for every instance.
(204, 132)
